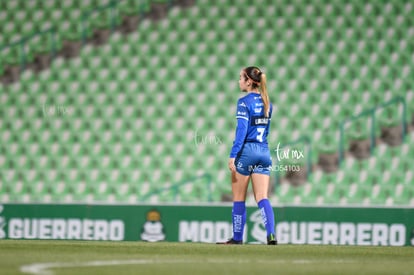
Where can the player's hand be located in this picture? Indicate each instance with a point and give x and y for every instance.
(231, 165)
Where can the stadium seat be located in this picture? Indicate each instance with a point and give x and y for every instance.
(135, 103)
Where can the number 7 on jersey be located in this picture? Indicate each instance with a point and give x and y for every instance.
(260, 132)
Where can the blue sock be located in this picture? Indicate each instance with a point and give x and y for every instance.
(238, 219)
(267, 215)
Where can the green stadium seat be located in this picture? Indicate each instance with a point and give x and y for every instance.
(325, 65)
(404, 195)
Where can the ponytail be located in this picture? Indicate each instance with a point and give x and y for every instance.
(259, 81)
(264, 94)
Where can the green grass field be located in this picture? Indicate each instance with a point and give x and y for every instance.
(82, 257)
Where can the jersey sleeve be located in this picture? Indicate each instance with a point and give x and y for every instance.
(242, 116)
(242, 110)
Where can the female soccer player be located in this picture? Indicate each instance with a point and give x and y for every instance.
(250, 155)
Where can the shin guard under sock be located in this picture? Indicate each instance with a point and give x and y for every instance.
(268, 216)
(238, 219)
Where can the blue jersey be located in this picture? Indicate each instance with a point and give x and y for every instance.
(252, 125)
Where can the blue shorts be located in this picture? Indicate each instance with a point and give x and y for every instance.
(253, 159)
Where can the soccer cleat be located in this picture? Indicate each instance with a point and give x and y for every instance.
(231, 241)
(271, 240)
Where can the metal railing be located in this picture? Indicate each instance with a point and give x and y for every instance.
(174, 191)
(371, 113)
(86, 17)
(23, 48)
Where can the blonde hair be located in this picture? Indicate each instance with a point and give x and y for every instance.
(264, 94)
(259, 81)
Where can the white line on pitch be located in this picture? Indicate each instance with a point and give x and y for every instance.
(46, 268)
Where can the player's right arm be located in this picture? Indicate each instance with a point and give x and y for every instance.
(242, 116)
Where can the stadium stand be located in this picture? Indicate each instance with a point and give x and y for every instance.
(147, 115)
